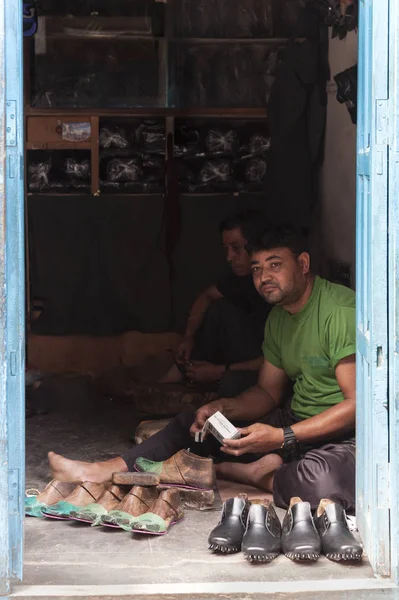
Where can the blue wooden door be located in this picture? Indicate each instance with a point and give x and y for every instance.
(12, 340)
(393, 281)
(373, 513)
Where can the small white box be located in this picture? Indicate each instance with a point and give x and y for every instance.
(220, 428)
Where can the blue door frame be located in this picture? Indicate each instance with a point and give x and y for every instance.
(12, 301)
(377, 288)
(372, 470)
(393, 282)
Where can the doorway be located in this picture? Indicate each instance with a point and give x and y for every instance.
(376, 292)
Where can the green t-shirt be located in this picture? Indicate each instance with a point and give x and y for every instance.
(310, 344)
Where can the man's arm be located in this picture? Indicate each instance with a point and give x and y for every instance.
(202, 370)
(253, 404)
(195, 318)
(328, 424)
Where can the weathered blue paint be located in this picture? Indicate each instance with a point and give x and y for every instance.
(4, 538)
(12, 341)
(393, 270)
(372, 280)
(378, 119)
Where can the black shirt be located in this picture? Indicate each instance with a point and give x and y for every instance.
(241, 292)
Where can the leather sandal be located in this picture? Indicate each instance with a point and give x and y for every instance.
(184, 470)
(337, 541)
(166, 511)
(54, 491)
(85, 493)
(227, 536)
(262, 537)
(138, 501)
(92, 513)
(300, 540)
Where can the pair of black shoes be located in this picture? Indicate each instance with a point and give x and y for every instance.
(255, 529)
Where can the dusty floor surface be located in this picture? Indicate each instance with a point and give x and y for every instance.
(83, 425)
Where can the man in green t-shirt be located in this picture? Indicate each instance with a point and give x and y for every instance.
(306, 448)
(310, 339)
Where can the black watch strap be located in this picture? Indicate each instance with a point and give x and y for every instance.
(289, 438)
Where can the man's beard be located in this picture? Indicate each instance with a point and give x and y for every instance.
(279, 296)
(275, 296)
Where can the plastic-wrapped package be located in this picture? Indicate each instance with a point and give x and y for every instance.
(236, 84)
(223, 18)
(187, 141)
(124, 170)
(152, 162)
(228, 75)
(215, 171)
(115, 138)
(221, 141)
(150, 136)
(347, 90)
(255, 170)
(76, 169)
(341, 16)
(259, 144)
(39, 175)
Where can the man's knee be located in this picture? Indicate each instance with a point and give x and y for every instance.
(320, 474)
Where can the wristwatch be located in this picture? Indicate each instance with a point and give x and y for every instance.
(290, 445)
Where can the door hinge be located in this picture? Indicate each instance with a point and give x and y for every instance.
(381, 122)
(11, 123)
(13, 492)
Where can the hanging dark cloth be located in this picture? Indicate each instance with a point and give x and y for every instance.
(297, 117)
(97, 264)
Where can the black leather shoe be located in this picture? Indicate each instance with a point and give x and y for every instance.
(337, 542)
(300, 539)
(262, 537)
(227, 535)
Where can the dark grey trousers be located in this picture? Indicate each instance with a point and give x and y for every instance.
(227, 335)
(323, 471)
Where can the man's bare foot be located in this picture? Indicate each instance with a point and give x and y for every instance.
(172, 376)
(65, 469)
(259, 473)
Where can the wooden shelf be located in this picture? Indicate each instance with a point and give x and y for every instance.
(54, 193)
(58, 145)
(147, 112)
(188, 40)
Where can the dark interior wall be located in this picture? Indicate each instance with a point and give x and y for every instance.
(100, 266)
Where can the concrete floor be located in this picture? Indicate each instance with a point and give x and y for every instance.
(81, 425)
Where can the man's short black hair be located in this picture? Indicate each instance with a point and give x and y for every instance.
(251, 222)
(283, 236)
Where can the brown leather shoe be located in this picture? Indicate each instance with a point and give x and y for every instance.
(109, 500)
(84, 494)
(52, 493)
(137, 502)
(166, 511)
(184, 469)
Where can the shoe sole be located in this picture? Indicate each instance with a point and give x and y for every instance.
(136, 478)
(80, 520)
(302, 556)
(147, 532)
(224, 549)
(56, 517)
(112, 526)
(260, 558)
(166, 485)
(336, 557)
